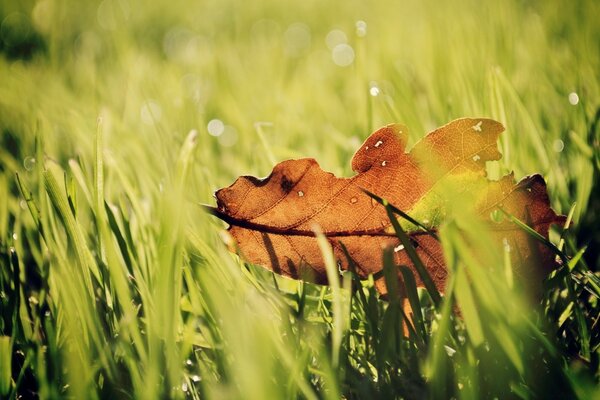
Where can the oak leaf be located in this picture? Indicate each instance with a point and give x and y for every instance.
(273, 219)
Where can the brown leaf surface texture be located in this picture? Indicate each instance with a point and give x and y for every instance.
(273, 219)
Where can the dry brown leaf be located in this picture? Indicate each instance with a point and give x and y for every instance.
(273, 220)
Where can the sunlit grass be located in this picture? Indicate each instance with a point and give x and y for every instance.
(114, 283)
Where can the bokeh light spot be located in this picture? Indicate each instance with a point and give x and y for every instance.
(215, 127)
(573, 98)
(343, 55)
(335, 37)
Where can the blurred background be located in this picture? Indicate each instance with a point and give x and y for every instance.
(142, 109)
(267, 81)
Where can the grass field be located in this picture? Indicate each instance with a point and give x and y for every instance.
(119, 118)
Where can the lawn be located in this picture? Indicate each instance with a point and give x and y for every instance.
(119, 119)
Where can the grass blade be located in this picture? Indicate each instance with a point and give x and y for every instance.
(414, 257)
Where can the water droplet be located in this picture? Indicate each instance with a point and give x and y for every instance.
(573, 98)
(300, 193)
(23, 204)
(379, 143)
(343, 55)
(374, 88)
(476, 157)
(361, 28)
(449, 350)
(215, 127)
(558, 145)
(188, 362)
(425, 221)
(353, 200)
(184, 387)
(29, 163)
(335, 37)
(15, 236)
(366, 147)
(383, 163)
(496, 216)
(477, 126)
(12, 250)
(398, 248)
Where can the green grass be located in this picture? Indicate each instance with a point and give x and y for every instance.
(115, 284)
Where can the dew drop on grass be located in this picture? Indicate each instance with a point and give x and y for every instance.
(196, 378)
(573, 98)
(399, 248)
(496, 216)
(558, 145)
(374, 89)
(15, 236)
(184, 387)
(449, 350)
(29, 163)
